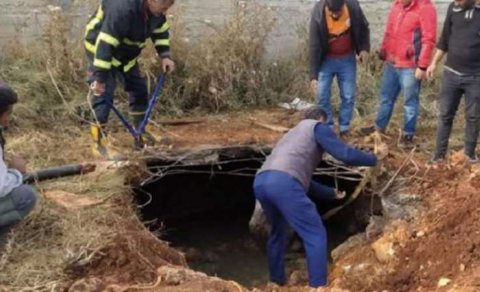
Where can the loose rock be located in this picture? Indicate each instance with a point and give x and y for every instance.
(443, 282)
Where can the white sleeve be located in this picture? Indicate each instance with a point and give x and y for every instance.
(9, 178)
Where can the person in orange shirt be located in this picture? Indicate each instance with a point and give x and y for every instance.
(338, 32)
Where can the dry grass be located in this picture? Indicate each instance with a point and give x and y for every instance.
(44, 147)
(25, 69)
(223, 69)
(54, 240)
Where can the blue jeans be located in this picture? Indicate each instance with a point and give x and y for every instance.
(345, 69)
(285, 203)
(396, 80)
(135, 86)
(16, 206)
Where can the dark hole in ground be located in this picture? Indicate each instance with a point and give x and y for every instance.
(204, 210)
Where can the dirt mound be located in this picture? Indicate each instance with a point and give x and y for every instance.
(438, 249)
(167, 278)
(449, 245)
(134, 258)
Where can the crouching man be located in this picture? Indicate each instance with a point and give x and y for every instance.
(281, 187)
(16, 199)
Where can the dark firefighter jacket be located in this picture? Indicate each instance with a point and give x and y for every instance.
(116, 34)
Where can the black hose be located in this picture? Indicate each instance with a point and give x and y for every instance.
(56, 172)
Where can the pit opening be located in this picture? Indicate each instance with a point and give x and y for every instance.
(204, 208)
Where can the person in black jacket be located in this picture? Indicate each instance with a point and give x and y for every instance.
(338, 31)
(114, 38)
(460, 41)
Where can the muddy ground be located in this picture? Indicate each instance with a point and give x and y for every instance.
(433, 245)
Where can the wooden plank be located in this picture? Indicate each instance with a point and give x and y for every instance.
(275, 128)
(180, 122)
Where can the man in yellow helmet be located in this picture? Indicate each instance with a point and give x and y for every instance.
(114, 38)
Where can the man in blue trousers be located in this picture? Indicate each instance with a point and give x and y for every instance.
(281, 186)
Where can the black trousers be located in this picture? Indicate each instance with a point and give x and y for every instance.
(135, 85)
(454, 87)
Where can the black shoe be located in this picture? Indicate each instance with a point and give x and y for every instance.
(407, 142)
(344, 134)
(367, 131)
(472, 158)
(437, 159)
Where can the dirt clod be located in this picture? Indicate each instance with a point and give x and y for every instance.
(443, 282)
(384, 250)
(350, 244)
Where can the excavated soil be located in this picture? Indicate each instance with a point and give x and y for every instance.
(450, 246)
(438, 248)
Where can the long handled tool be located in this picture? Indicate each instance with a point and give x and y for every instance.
(138, 133)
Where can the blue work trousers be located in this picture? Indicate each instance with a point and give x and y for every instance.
(285, 203)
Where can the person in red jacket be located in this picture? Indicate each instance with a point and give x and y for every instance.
(407, 49)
